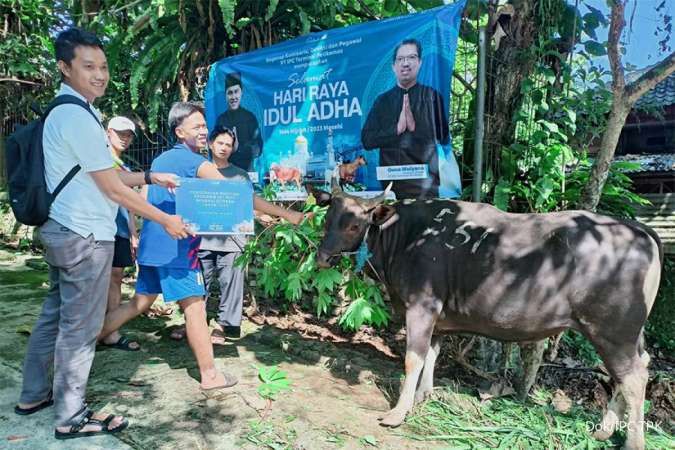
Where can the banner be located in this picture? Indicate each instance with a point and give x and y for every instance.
(216, 206)
(367, 103)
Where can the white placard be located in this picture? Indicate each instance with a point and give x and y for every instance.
(406, 172)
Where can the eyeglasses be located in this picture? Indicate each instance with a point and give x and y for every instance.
(408, 58)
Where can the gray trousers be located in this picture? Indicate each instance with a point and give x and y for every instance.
(220, 265)
(72, 317)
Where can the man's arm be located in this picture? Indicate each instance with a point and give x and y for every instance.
(210, 171)
(111, 185)
(379, 131)
(133, 179)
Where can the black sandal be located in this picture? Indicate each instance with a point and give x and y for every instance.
(123, 343)
(88, 420)
(39, 407)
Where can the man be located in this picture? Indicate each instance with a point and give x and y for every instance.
(407, 122)
(171, 268)
(121, 132)
(78, 240)
(217, 254)
(243, 123)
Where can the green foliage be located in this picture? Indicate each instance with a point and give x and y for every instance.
(660, 329)
(463, 421)
(273, 381)
(283, 259)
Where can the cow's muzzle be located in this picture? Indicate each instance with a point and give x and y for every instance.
(325, 260)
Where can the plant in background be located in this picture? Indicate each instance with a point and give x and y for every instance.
(282, 257)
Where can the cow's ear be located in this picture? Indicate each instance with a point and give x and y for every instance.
(323, 198)
(381, 214)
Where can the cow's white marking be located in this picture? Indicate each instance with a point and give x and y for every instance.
(409, 201)
(461, 231)
(448, 245)
(431, 231)
(478, 242)
(428, 202)
(441, 213)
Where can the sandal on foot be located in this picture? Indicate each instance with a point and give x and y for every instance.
(49, 401)
(178, 334)
(122, 343)
(218, 337)
(89, 420)
(230, 380)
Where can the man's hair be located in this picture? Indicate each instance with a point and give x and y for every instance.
(414, 42)
(180, 110)
(233, 79)
(67, 40)
(218, 130)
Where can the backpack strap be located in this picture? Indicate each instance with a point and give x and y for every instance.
(65, 100)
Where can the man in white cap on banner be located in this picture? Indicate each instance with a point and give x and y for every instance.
(121, 132)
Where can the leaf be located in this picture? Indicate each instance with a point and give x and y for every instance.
(595, 48)
(293, 290)
(326, 279)
(502, 195)
(370, 440)
(271, 9)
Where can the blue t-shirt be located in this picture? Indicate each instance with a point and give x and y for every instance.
(156, 247)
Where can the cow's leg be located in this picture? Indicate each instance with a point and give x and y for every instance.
(633, 390)
(427, 381)
(531, 355)
(616, 408)
(419, 327)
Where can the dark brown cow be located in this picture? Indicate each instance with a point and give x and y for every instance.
(469, 267)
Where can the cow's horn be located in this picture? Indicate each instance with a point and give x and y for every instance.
(373, 202)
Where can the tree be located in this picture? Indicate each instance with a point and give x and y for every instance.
(625, 96)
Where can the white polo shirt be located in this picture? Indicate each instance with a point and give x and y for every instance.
(71, 136)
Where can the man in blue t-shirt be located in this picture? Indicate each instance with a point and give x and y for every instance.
(169, 267)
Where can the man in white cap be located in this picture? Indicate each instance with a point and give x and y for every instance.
(121, 132)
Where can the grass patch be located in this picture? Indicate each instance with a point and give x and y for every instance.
(463, 422)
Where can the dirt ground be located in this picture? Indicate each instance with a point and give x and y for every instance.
(337, 390)
(333, 403)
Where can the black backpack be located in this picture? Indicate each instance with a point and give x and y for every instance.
(28, 195)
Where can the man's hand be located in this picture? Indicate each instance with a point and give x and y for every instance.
(175, 227)
(295, 217)
(402, 125)
(167, 180)
(134, 245)
(409, 119)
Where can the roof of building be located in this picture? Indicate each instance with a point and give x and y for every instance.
(662, 95)
(659, 162)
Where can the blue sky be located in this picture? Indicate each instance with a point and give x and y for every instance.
(642, 48)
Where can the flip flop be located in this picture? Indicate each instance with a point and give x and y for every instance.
(122, 344)
(178, 334)
(218, 337)
(75, 433)
(40, 406)
(230, 380)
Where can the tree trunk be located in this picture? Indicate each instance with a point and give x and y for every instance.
(625, 97)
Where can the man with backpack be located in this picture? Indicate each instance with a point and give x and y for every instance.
(78, 238)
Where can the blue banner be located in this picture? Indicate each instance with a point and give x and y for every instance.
(367, 103)
(216, 206)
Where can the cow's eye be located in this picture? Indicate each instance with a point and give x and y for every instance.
(354, 227)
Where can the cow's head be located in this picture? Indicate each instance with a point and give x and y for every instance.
(347, 220)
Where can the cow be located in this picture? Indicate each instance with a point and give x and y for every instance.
(455, 266)
(348, 170)
(285, 174)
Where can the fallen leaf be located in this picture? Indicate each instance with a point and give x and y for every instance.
(16, 437)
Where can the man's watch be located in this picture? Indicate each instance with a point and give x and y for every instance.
(146, 176)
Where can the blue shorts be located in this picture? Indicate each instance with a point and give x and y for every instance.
(174, 284)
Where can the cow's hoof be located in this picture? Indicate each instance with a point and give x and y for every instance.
(602, 435)
(392, 419)
(421, 396)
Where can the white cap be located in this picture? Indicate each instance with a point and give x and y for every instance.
(120, 123)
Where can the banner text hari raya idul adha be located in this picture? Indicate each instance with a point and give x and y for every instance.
(367, 103)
